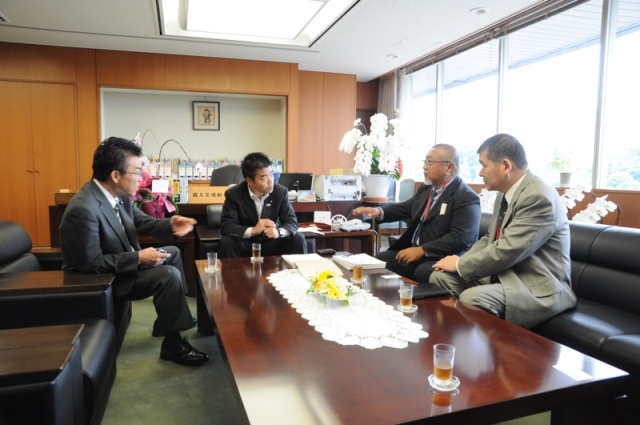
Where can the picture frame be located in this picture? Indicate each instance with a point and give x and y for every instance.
(206, 116)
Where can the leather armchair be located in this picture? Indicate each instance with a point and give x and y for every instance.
(209, 235)
(95, 309)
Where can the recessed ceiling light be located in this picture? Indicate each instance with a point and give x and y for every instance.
(392, 56)
(478, 10)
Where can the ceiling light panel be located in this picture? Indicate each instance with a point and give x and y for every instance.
(256, 18)
(282, 22)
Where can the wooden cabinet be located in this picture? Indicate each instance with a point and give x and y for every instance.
(39, 150)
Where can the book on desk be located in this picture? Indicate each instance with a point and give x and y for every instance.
(310, 264)
(368, 262)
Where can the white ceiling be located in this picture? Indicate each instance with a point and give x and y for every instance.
(359, 43)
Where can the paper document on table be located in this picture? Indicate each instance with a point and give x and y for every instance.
(310, 264)
(311, 229)
(368, 262)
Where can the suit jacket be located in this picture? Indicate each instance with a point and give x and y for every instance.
(239, 211)
(531, 257)
(451, 226)
(92, 239)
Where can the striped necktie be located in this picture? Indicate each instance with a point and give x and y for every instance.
(116, 208)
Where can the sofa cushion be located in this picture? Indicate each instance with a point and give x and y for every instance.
(588, 327)
(624, 352)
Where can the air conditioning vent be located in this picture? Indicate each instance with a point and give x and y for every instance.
(2, 18)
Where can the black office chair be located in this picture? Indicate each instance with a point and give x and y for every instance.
(224, 176)
(209, 235)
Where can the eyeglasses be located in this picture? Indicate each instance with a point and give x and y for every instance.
(136, 173)
(430, 162)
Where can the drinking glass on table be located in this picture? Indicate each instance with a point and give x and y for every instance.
(212, 262)
(358, 273)
(443, 359)
(406, 298)
(255, 253)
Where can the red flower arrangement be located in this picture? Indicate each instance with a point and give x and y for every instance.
(157, 205)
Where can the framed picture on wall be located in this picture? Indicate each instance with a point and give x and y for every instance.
(206, 116)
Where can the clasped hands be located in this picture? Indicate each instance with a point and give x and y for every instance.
(266, 227)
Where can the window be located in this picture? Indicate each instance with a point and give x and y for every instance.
(551, 93)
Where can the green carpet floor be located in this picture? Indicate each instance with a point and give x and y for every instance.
(148, 390)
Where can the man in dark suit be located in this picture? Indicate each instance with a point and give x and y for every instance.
(444, 218)
(99, 234)
(258, 210)
(520, 270)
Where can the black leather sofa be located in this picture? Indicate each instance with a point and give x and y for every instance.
(605, 275)
(99, 342)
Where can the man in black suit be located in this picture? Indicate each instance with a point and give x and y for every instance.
(258, 210)
(99, 234)
(444, 218)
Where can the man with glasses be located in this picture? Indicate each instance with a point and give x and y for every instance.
(444, 218)
(99, 234)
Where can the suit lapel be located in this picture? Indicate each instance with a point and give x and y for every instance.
(444, 198)
(110, 215)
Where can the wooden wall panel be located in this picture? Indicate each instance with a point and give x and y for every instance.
(197, 73)
(87, 98)
(54, 140)
(130, 69)
(259, 77)
(16, 151)
(293, 119)
(311, 121)
(339, 114)
(28, 62)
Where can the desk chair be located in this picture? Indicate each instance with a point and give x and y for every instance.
(224, 176)
(406, 191)
(209, 235)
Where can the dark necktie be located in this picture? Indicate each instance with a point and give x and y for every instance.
(433, 195)
(503, 210)
(116, 208)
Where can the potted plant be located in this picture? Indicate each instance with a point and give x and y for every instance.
(377, 153)
(562, 164)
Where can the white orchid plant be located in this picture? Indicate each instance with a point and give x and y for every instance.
(594, 212)
(376, 152)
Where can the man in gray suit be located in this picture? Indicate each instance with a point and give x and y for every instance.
(444, 218)
(99, 234)
(521, 270)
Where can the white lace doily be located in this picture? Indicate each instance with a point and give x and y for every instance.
(366, 321)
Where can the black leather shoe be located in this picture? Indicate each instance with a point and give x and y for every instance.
(181, 352)
(159, 332)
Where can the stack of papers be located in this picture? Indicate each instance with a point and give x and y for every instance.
(311, 229)
(367, 261)
(310, 264)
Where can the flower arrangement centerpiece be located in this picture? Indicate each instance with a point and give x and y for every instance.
(376, 152)
(332, 286)
(157, 205)
(595, 211)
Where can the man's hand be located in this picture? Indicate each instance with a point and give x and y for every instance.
(447, 264)
(265, 226)
(182, 225)
(152, 257)
(367, 211)
(409, 255)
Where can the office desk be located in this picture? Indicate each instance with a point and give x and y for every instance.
(285, 372)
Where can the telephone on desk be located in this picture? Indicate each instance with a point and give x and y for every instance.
(355, 224)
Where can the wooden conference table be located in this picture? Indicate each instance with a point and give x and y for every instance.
(285, 372)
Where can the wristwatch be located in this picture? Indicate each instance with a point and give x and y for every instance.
(282, 232)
